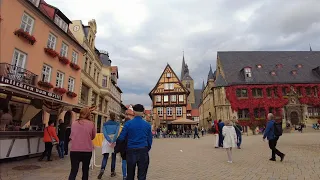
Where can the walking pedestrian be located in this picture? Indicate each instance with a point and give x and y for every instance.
(50, 139)
(110, 133)
(195, 129)
(202, 131)
(158, 132)
(238, 129)
(138, 134)
(62, 136)
(230, 139)
(67, 139)
(220, 125)
(215, 129)
(83, 131)
(272, 132)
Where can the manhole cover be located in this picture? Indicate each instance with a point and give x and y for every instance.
(26, 167)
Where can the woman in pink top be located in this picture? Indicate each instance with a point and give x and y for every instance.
(82, 133)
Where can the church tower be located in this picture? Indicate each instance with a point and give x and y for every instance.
(187, 81)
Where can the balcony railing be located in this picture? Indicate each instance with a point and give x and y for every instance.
(18, 74)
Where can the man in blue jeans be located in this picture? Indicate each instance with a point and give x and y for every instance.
(138, 134)
(238, 129)
(61, 135)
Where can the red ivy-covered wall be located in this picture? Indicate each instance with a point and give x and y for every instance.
(266, 102)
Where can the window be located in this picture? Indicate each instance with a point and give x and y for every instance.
(259, 113)
(247, 72)
(257, 92)
(181, 98)
(259, 66)
(63, 25)
(46, 73)
(104, 81)
(168, 75)
(169, 111)
(85, 64)
(275, 92)
(94, 99)
(243, 113)
(284, 91)
(94, 73)
(51, 41)
(35, 2)
(308, 91)
(27, 23)
(74, 59)
(312, 111)
(173, 98)
(188, 85)
(71, 84)
(165, 98)
(19, 59)
(179, 111)
(166, 86)
(315, 91)
(98, 74)
(64, 50)
(299, 91)
(160, 111)
(59, 80)
(171, 86)
(90, 63)
(242, 92)
(269, 92)
(158, 98)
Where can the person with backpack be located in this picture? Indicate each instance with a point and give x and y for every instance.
(272, 132)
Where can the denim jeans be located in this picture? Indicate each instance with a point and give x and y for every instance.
(61, 149)
(239, 139)
(137, 157)
(124, 168)
(105, 160)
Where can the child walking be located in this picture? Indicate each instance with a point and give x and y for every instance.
(230, 139)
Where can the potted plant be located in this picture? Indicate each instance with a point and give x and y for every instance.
(44, 84)
(71, 94)
(64, 60)
(51, 52)
(74, 66)
(21, 33)
(59, 90)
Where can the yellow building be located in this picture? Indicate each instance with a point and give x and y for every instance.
(169, 98)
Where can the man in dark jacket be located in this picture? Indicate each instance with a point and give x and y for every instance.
(220, 125)
(238, 129)
(61, 135)
(196, 132)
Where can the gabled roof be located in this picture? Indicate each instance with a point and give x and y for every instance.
(189, 108)
(232, 62)
(181, 85)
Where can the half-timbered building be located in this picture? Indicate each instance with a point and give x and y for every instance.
(169, 98)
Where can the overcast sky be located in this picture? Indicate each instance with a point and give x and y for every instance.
(142, 36)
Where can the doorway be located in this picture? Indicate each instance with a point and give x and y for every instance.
(67, 118)
(294, 117)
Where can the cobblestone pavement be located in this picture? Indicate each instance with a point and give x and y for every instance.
(199, 160)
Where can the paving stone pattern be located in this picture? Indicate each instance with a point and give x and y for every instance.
(197, 159)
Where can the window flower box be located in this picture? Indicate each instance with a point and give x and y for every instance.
(51, 52)
(21, 33)
(74, 66)
(44, 84)
(64, 60)
(71, 94)
(59, 90)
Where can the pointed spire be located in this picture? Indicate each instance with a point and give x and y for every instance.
(310, 47)
(210, 74)
(183, 66)
(203, 86)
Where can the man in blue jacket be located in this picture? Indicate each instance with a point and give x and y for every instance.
(272, 138)
(138, 134)
(220, 126)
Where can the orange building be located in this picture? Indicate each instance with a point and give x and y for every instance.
(40, 59)
(169, 99)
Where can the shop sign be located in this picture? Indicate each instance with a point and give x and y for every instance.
(17, 84)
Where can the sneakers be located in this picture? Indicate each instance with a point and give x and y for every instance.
(113, 174)
(271, 159)
(100, 174)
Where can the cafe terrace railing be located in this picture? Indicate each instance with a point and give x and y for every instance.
(18, 74)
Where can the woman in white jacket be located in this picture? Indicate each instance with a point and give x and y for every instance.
(230, 138)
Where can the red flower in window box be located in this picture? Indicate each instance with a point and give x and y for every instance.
(71, 94)
(21, 33)
(44, 84)
(74, 66)
(51, 52)
(64, 60)
(59, 90)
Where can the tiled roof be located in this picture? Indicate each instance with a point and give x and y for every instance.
(234, 61)
(195, 112)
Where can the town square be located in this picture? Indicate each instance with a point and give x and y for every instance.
(148, 89)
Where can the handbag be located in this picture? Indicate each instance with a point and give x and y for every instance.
(53, 141)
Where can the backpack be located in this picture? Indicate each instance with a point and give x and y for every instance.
(277, 129)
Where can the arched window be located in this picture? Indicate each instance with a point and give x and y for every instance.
(188, 84)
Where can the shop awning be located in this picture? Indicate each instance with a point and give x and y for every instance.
(183, 121)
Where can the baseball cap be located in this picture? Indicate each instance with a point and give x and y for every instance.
(138, 108)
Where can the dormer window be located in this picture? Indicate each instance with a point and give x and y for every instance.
(247, 72)
(168, 75)
(273, 73)
(299, 65)
(35, 2)
(293, 72)
(279, 66)
(259, 66)
(61, 23)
